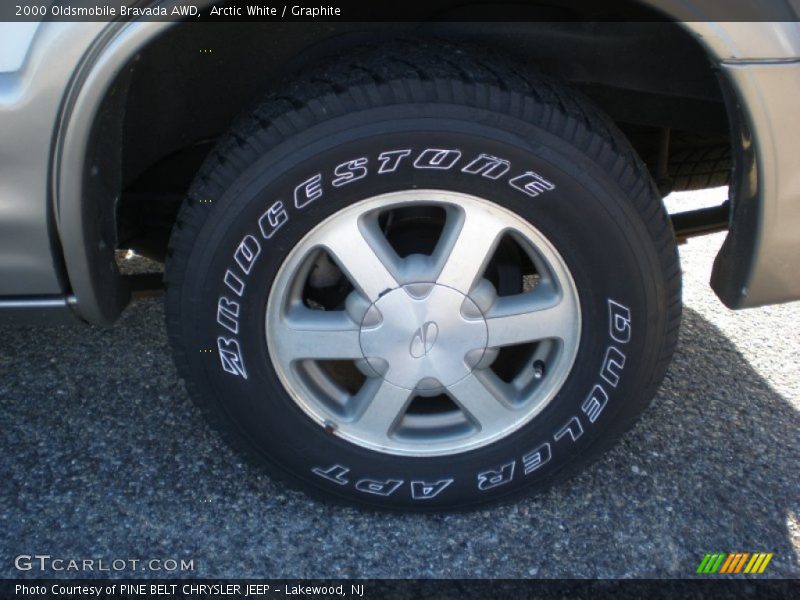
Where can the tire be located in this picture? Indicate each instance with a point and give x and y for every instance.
(700, 168)
(286, 318)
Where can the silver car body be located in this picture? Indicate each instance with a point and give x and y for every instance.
(54, 75)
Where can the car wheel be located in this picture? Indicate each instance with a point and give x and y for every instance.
(423, 283)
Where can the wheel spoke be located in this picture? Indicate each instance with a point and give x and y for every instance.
(480, 396)
(467, 245)
(359, 254)
(519, 320)
(385, 405)
(317, 334)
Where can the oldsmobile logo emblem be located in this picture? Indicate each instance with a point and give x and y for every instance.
(424, 339)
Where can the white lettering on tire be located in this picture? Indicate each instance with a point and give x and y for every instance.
(336, 474)
(437, 158)
(379, 488)
(612, 366)
(390, 160)
(536, 459)
(230, 354)
(496, 477)
(228, 314)
(619, 322)
(595, 403)
(532, 184)
(272, 220)
(234, 283)
(308, 191)
(421, 490)
(488, 166)
(572, 427)
(247, 253)
(350, 171)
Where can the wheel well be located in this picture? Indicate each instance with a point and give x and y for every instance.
(187, 85)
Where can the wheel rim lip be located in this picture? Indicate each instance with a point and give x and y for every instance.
(304, 398)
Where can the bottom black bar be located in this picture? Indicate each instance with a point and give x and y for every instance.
(457, 589)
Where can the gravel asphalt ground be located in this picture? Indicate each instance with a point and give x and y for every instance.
(102, 455)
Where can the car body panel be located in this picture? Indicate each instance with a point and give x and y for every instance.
(30, 102)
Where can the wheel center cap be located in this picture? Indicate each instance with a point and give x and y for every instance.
(423, 336)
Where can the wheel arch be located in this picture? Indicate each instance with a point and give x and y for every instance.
(84, 213)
